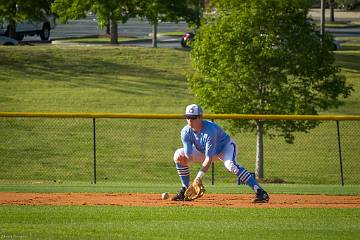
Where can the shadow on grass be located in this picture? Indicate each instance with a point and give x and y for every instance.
(116, 71)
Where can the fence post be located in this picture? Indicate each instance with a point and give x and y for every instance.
(212, 173)
(340, 157)
(212, 169)
(94, 151)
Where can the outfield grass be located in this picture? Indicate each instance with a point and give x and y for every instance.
(55, 155)
(172, 188)
(102, 222)
(96, 40)
(58, 78)
(59, 150)
(105, 40)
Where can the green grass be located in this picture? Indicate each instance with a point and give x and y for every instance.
(97, 40)
(60, 150)
(93, 79)
(55, 155)
(349, 61)
(341, 24)
(177, 33)
(105, 40)
(58, 78)
(102, 222)
(172, 188)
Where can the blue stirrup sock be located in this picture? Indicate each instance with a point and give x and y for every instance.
(248, 179)
(184, 174)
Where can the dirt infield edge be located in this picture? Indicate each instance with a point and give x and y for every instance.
(154, 200)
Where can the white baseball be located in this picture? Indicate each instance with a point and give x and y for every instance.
(164, 195)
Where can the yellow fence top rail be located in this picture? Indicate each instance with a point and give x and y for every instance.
(178, 116)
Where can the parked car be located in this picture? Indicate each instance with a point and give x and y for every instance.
(30, 27)
(4, 40)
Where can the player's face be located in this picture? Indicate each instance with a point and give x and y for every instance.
(195, 123)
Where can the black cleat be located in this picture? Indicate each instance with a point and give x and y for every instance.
(261, 196)
(180, 196)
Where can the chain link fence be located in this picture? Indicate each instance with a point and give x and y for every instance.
(136, 151)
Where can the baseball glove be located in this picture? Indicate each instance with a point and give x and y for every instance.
(195, 190)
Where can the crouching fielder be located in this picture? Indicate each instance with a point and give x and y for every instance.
(204, 142)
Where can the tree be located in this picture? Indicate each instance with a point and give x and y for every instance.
(19, 10)
(347, 4)
(322, 18)
(264, 57)
(109, 12)
(168, 10)
(332, 9)
(105, 10)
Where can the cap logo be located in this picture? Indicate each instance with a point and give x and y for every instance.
(193, 110)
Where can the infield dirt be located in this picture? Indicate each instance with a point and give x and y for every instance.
(152, 200)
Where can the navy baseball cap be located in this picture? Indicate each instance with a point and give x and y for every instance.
(193, 110)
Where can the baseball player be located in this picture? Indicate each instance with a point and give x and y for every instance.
(204, 142)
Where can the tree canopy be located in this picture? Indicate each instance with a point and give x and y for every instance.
(114, 11)
(265, 57)
(19, 10)
(24, 9)
(106, 11)
(169, 10)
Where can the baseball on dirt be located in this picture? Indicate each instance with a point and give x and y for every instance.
(164, 195)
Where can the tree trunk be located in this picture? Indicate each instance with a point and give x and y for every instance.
(12, 29)
(322, 18)
(114, 32)
(12, 22)
(259, 170)
(332, 16)
(154, 35)
(108, 32)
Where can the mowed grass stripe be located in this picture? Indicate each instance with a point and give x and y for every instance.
(138, 80)
(93, 222)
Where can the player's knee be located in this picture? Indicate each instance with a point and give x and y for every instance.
(230, 166)
(179, 156)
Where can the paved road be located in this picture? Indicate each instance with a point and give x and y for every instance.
(340, 16)
(137, 28)
(345, 32)
(133, 28)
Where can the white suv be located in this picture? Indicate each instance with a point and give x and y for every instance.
(30, 27)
